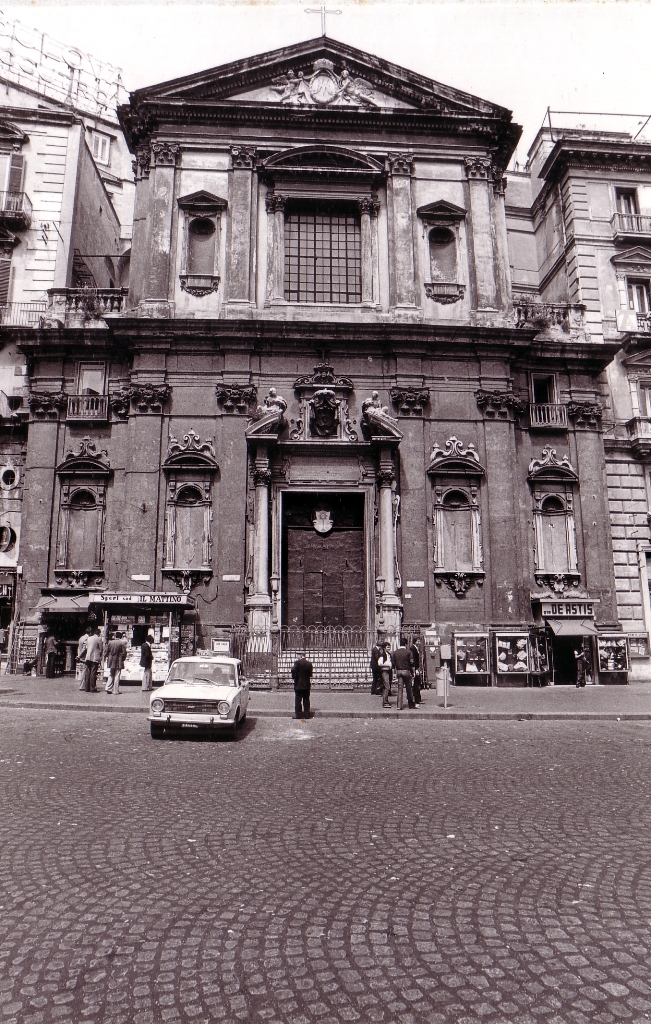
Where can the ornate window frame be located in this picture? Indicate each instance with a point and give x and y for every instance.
(190, 463)
(550, 477)
(447, 216)
(85, 470)
(200, 206)
(456, 468)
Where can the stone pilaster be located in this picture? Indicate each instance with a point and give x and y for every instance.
(389, 603)
(276, 248)
(401, 240)
(240, 297)
(258, 605)
(161, 207)
(478, 171)
(368, 209)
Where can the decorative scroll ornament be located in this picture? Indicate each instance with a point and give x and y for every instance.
(495, 404)
(410, 400)
(323, 376)
(43, 403)
(454, 450)
(550, 465)
(87, 450)
(145, 397)
(191, 445)
(585, 414)
(199, 285)
(323, 88)
(236, 398)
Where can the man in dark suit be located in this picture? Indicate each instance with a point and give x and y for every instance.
(376, 671)
(403, 663)
(302, 676)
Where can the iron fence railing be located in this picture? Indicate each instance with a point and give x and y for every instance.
(22, 314)
(340, 655)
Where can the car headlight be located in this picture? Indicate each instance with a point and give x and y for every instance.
(223, 707)
(157, 704)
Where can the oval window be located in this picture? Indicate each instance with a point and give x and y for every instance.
(7, 538)
(8, 478)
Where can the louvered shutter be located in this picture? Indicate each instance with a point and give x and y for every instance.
(5, 274)
(16, 172)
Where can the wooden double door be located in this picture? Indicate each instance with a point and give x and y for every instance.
(324, 578)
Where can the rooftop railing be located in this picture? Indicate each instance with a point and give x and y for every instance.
(22, 314)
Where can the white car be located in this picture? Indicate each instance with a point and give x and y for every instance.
(204, 692)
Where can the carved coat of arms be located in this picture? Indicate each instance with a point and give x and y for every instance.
(323, 88)
(322, 520)
(324, 415)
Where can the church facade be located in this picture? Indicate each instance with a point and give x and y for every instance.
(325, 411)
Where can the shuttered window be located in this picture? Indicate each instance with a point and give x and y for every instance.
(16, 171)
(5, 277)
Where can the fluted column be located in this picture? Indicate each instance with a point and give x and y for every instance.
(276, 247)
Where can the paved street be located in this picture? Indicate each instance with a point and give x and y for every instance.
(329, 871)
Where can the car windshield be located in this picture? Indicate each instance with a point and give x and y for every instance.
(202, 672)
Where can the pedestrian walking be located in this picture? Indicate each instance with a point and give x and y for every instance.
(81, 659)
(302, 676)
(385, 665)
(415, 653)
(115, 657)
(376, 672)
(51, 649)
(146, 660)
(94, 655)
(403, 662)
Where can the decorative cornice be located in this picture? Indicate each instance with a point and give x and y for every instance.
(557, 583)
(145, 397)
(89, 460)
(79, 578)
(187, 579)
(42, 403)
(410, 400)
(236, 398)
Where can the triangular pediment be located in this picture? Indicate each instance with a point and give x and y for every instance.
(321, 72)
(202, 202)
(441, 210)
(635, 260)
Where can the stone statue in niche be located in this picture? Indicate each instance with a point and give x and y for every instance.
(324, 414)
(373, 412)
(273, 405)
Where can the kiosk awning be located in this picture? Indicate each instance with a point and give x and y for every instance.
(63, 604)
(572, 627)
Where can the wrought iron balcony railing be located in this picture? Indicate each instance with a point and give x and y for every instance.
(626, 225)
(87, 407)
(548, 416)
(22, 314)
(15, 209)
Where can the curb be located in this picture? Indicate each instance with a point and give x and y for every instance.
(441, 715)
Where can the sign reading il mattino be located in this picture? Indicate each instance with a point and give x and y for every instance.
(154, 598)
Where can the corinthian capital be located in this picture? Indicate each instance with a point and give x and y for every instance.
(400, 163)
(274, 202)
(477, 166)
(165, 154)
(243, 156)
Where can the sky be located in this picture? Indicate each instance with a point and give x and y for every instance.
(524, 55)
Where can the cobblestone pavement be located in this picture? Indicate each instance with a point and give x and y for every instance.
(328, 871)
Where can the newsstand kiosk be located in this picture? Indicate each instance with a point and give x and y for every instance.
(139, 615)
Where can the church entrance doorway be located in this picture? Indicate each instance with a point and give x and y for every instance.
(323, 563)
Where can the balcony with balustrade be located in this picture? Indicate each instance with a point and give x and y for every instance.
(85, 307)
(532, 313)
(547, 416)
(631, 226)
(639, 434)
(87, 407)
(15, 210)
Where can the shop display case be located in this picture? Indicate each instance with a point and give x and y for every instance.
(512, 653)
(471, 655)
(539, 656)
(612, 654)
